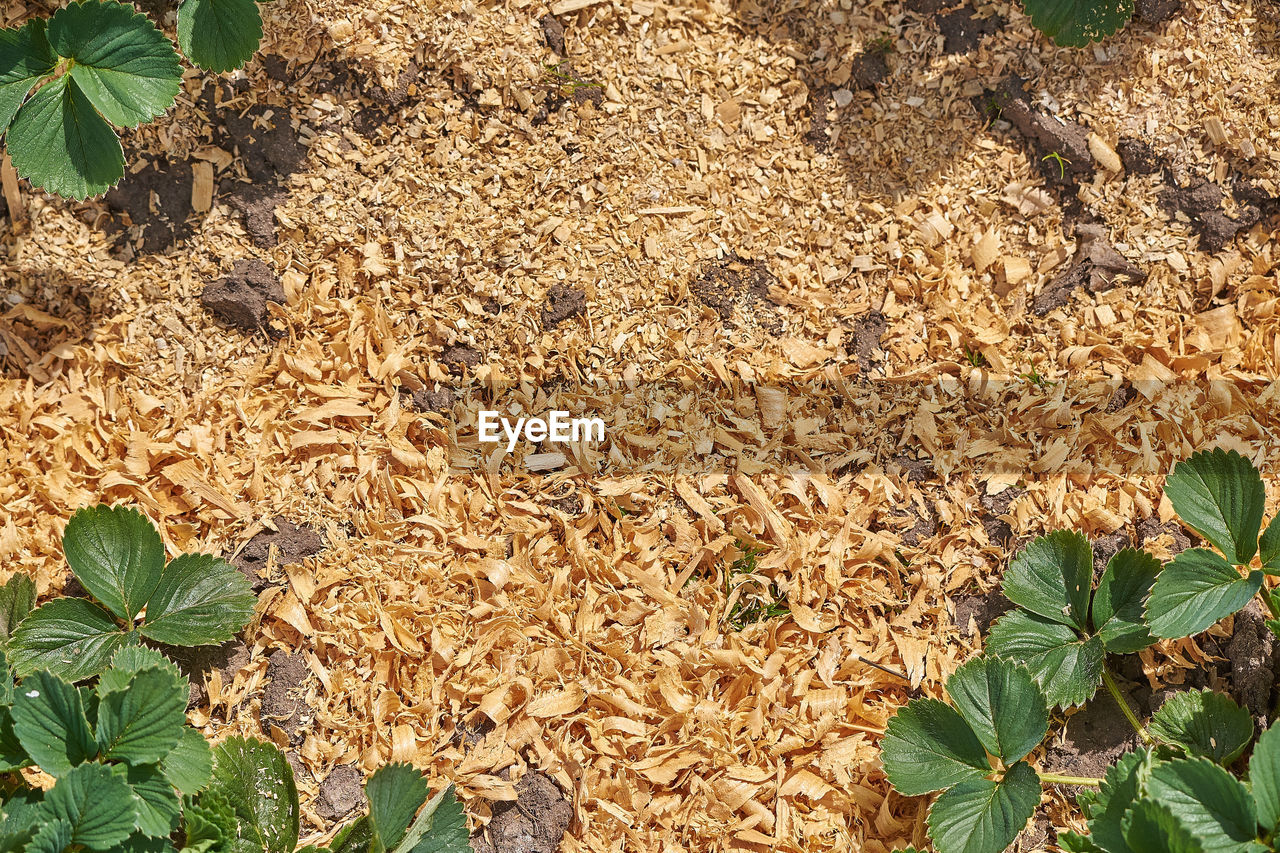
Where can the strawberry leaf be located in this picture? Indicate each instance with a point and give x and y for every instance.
(1002, 704)
(1106, 807)
(189, 766)
(1269, 547)
(116, 553)
(1264, 778)
(26, 57)
(1052, 576)
(441, 827)
(395, 793)
(980, 816)
(1204, 723)
(141, 723)
(1209, 801)
(1117, 603)
(49, 721)
(156, 803)
(70, 636)
(96, 802)
(255, 783)
(219, 35)
(1152, 828)
(1196, 589)
(1219, 494)
(17, 598)
(928, 746)
(126, 67)
(200, 600)
(1067, 668)
(1075, 23)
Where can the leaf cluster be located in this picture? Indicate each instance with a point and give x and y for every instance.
(68, 81)
(1178, 793)
(1075, 23)
(117, 556)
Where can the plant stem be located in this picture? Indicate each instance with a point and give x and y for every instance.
(1055, 779)
(1267, 600)
(1124, 707)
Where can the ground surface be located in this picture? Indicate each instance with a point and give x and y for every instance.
(697, 198)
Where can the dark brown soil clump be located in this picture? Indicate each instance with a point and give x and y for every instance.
(293, 543)
(240, 300)
(533, 823)
(562, 302)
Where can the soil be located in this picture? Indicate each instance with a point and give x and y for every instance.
(1138, 156)
(816, 135)
(1059, 147)
(1123, 396)
(1251, 653)
(994, 506)
(293, 544)
(1097, 267)
(570, 505)
(973, 614)
(460, 358)
(870, 68)
(283, 706)
(964, 31)
(863, 341)
(340, 792)
(437, 399)
(929, 7)
(257, 208)
(913, 469)
(1152, 12)
(562, 302)
(1095, 736)
(925, 527)
(1201, 202)
(552, 33)
(240, 300)
(266, 143)
(197, 662)
(533, 823)
(153, 205)
(737, 289)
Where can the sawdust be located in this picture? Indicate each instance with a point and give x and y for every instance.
(417, 249)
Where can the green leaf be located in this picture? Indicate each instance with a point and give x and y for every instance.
(256, 781)
(17, 598)
(1208, 800)
(441, 827)
(12, 754)
(139, 843)
(116, 553)
(219, 35)
(190, 765)
(96, 802)
(1002, 704)
(1117, 603)
(1067, 668)
(395, 793)
(20, 818)
(60, 143)
(1264, 778)
(355, 837)
(1072, 842)
(1107, 807)
(200, 601)
(1052, 577)
(1196, 589)
(70, 636)
(128, 70)
(1152, 828)
(1204, 723)
(132, 659)
(25, 57)
(50, 723)
(1075, 23)
(1269, 547)
(981, 816)
(53, 836)
(156, 803)
(141, 723)
(928, 746)
(1219, 494)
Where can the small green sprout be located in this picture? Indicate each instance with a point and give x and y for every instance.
(1062, 162)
